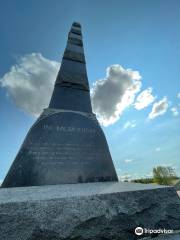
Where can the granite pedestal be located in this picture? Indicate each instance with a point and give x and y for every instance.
(109, 210)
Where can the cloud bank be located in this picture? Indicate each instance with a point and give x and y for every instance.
(30, 82)
(113, 94)
(144, 99)
(159, 108)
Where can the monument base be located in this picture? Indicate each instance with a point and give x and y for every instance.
(108, 210)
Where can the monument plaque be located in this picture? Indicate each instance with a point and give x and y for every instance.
(66, 144)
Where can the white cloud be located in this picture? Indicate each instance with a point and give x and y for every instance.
(174, 111)
(125, 177)
(128, 160)
(112, 95)
(144, 99)
(178, 95)
(129, 176)
(158, 149)
(159, 108)
(129, 124)
(30, 82)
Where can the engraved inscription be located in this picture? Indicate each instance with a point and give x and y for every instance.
(68, 129)
(58, 154)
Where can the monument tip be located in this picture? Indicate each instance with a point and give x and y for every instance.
(76, 24)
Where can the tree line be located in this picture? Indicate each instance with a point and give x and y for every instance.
(161, 175)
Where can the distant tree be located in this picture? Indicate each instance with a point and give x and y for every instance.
(164, 175)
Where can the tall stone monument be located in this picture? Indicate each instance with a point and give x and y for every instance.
(66, 144)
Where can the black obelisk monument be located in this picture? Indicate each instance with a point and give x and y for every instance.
(66, 144)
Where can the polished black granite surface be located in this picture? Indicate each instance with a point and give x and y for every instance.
(66, 144)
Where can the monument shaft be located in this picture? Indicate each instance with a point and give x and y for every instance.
(66, 144)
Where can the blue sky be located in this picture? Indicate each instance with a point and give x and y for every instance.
(141, 35)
